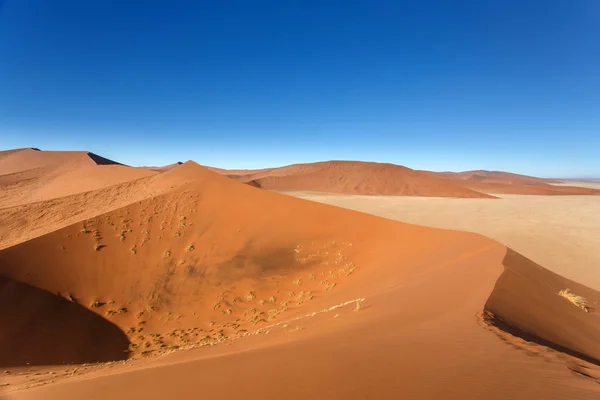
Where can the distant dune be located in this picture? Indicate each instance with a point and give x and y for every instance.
(13, 161)
(261, 288)
(497, 177)
(367, 178)
(29, 175)
(353, 178)
(498, 182)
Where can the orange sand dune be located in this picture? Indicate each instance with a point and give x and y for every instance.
(28, 175)
(353, 177)
(19, 160)
(276, 297)
(30, 220)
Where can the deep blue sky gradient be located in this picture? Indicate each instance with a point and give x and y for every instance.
(440, 85)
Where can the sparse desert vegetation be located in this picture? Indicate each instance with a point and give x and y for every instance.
(576, 300)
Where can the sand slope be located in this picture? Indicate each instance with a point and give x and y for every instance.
(213, 262)
(38, 325)
(560, 233)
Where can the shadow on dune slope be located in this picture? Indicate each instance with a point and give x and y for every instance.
(40, 328)
(99, 160)
(525, 303)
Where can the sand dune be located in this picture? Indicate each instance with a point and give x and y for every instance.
(354, 177)
(251, 279)
(30, 220)
(497, 177)
(13, 161)
(28, 176)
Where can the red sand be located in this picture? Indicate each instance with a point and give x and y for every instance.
(247, 281)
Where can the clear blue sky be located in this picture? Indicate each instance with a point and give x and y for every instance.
(440, 85)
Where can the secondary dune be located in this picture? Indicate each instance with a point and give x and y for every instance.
(19, 160)
(266, 285)
(29, 175)
(353, 177)
(32, 219)
(367, 178)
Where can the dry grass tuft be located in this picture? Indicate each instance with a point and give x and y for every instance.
(578, 301)
(358, 305)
